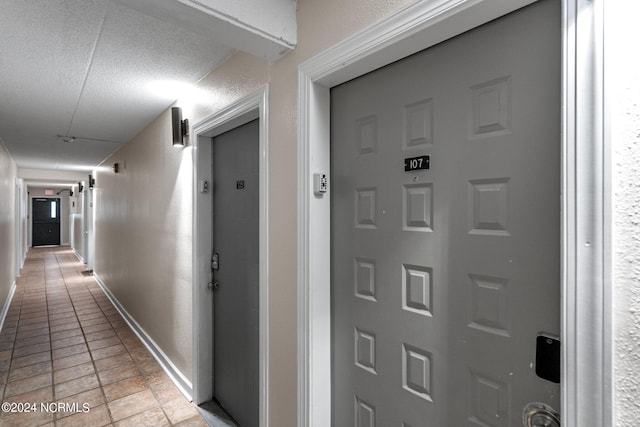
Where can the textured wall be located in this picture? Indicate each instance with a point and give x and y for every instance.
(7, 223)
(623, 71)
(144, 233)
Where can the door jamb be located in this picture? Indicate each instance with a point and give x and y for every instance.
(586, 309)
(240, 112)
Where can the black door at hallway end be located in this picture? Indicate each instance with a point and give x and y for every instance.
(46, 222)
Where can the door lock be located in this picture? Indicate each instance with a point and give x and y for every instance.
(540, 415)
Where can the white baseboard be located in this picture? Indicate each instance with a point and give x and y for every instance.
(7, 304)
(178, 378)
(78, 256)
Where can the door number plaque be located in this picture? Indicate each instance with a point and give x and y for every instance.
(416, 163)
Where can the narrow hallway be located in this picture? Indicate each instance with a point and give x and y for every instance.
(64, 342)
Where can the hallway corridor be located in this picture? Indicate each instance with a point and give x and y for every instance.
(63, 341)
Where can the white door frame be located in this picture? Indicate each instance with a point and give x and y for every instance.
(89, 226)
(254, 106)
(586, 269)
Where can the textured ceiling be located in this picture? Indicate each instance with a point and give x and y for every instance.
(86, 68)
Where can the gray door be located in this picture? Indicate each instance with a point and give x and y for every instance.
(443, 279)
(45, 226)
(235, 240)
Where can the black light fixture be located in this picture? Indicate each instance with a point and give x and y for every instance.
(80, 187)
(92, 181)
(179, 127)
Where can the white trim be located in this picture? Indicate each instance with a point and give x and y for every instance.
(178, 378)
(77, 255)
(587, 299)
(7, 304)
(586, 310)
(248, 108)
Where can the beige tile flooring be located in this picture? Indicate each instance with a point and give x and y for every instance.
(64, 342)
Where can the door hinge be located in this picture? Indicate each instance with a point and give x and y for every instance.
(215, 258)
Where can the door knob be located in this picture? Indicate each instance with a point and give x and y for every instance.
(540, 415)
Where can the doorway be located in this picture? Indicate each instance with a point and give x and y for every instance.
(446, 230)
(235, 265)
(45, 222)
(586, 296)
(20, 224)
(236, 115)
(88, 239)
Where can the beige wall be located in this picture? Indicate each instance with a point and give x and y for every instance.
(7, 223)
(143, 236)
(144, 214)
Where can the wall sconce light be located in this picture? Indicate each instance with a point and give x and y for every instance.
(92, 181)
(116, 167)
(179, 127)
(80, 187)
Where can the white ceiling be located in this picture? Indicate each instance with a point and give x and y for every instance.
(92, 69)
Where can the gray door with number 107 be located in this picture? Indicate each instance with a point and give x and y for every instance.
(445, 221)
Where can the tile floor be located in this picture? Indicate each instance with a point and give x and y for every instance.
(64, 342)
